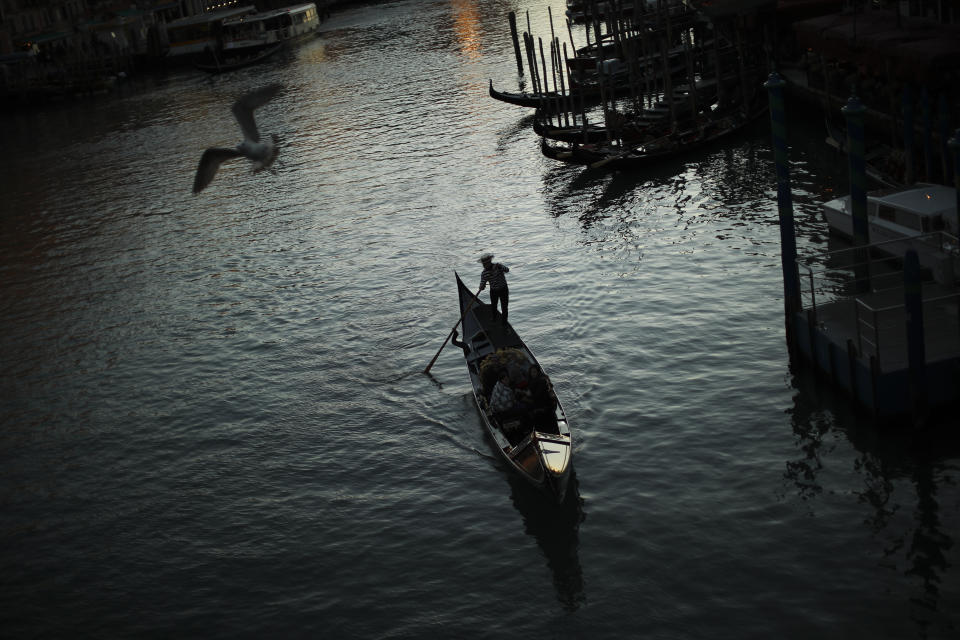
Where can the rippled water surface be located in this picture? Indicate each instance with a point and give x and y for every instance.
(215, 424)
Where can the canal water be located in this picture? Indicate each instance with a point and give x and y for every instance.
(215, 421)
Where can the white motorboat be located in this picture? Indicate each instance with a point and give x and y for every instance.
(921, 217)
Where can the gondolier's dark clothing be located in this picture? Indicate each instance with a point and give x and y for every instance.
(503, 296)
(494, 274)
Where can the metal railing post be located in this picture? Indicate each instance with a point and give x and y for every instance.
(856, 321)
(876, 337)
(813, 293)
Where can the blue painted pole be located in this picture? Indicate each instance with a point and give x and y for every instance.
(927, 134)
(943, 135)
(908, 153)
(954, 145)
(916, 346)
(788, 240)
(853, 112)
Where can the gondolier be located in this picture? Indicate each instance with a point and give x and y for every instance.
(494, 273)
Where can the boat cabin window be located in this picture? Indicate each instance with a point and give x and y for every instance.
(306, 16)
(885, 212)
(909, 220)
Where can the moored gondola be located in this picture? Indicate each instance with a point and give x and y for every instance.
(534, 440)
(694, 135)
(548, 100)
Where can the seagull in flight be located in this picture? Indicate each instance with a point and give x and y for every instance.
(261, 153)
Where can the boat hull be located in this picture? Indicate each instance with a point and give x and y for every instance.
(238, 60)
(674, 144)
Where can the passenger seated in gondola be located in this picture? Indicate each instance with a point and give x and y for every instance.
(503, 400)
(505, 408)
(489, 374)
(518, 378)
(543, 401)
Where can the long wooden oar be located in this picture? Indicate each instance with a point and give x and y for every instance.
(476, 297)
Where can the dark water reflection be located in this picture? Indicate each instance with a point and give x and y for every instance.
(555, 528)
(901, 474)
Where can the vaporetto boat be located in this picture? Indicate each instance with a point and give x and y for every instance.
(264, 29)
(194, 35)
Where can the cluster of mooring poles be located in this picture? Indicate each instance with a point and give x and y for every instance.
(647, 71)
(912, 376)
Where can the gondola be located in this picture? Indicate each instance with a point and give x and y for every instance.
(693, 136)
(631, 127)
(881, 163)
(573, 133)
(549, 100)
(536, 445)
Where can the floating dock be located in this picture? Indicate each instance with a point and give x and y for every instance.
(894, 348)
(887, 331)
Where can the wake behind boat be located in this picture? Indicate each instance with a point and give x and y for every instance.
(534, 441)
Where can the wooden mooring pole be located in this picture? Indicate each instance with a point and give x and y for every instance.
(853, 112)
(516, 42)
(788, 240)
(531, 60)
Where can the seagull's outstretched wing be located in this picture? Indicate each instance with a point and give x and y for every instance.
(243, 109)
(210, 161)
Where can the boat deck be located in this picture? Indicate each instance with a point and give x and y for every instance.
(879, 326)
(860, 342)
(500, 335)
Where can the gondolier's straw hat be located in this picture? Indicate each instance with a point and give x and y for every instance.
(487, 257)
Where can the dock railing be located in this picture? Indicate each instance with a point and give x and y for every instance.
(874, 323)
(837, 270)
